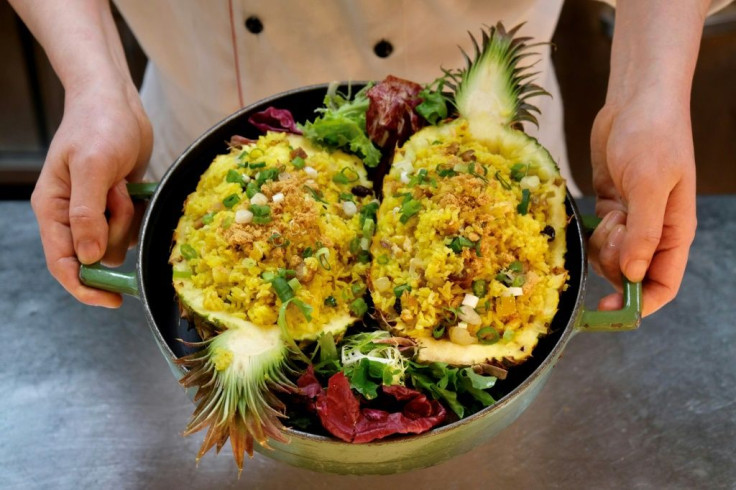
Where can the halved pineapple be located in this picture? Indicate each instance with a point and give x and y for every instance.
(270, 251)
(470, 243)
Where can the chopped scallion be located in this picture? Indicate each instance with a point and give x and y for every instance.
(231, 200)
(399, 290)
(488, 335)
(346, 176)
(358, 307)
(523, 206)
(188, 251)
(298, 162)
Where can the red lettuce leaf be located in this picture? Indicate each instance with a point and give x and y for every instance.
(391, 119)
(272, 119)
(340, 413)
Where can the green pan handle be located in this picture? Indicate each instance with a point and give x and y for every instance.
(141, 190)
(628, 317)
(100, 277)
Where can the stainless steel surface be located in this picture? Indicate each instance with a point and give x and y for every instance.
(90, 402)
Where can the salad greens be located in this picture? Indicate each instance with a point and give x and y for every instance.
(342, 124)
(370, 360)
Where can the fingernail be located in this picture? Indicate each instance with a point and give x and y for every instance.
(88, 251)
(610, 220)
(636, 270)
(616, 236)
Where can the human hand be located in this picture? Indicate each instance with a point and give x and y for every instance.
(104, 140)
(644, 180)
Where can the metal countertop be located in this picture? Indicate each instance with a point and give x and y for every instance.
(89, 402)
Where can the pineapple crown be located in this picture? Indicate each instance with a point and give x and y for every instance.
(492, 84)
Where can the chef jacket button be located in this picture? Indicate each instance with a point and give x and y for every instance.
(383, 48)
(254, 24)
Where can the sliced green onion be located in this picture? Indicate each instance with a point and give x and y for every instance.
(307, 252)
(330, 301)
(182, 274)
(278, 241)
(282, 288)
(261, 220)
(480, 288)
(231, 200)
(355, 245)
(518, 281)
(234, 177)
(346, 196)
(459, 242)
(519, 171)
(382, 259)
(208, 218)
(368, 212)
(438, 332)
(409, 209)
(369, 227)
(258, 165)
(504, 183)
(268, 276)
(294, 283)
(252, 189)
(266, 175)
(298, 162)
(346, 176)
(357, 288)
(516, 266)
(399, 290)
(420, 177)
(523, 206)
(188, 251)
(364, 256)
(358, 307)
(445, 170)
(488, 335)
(227, 222)
(323, 255)
(471, 171)
(316, 195)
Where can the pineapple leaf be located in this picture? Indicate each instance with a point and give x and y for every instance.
(493, 84)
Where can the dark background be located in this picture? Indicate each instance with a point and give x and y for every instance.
(31, 97)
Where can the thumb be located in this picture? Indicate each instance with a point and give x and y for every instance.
(90, 184)
(647, 202)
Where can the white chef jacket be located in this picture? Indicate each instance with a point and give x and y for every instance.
(207, 59)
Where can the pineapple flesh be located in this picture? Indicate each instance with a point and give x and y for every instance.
(470, 243)
(267, 254)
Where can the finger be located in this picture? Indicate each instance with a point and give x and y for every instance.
(664, 277)
(135, 226)
(53, 220)
(121, 211)
(647, 202)
(609, 256)
(599, 238)
(611, 302)
(91, 182)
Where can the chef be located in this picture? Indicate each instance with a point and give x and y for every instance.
(208, 59)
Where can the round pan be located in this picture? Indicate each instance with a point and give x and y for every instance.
(151, 282)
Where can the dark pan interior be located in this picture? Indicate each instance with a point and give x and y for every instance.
(165, 209)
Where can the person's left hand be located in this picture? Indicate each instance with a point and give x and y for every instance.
(644, 180)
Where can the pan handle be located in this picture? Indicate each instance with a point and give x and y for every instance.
(628, 317)
(100, 277)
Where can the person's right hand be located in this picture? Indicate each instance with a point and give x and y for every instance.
(104, 140)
